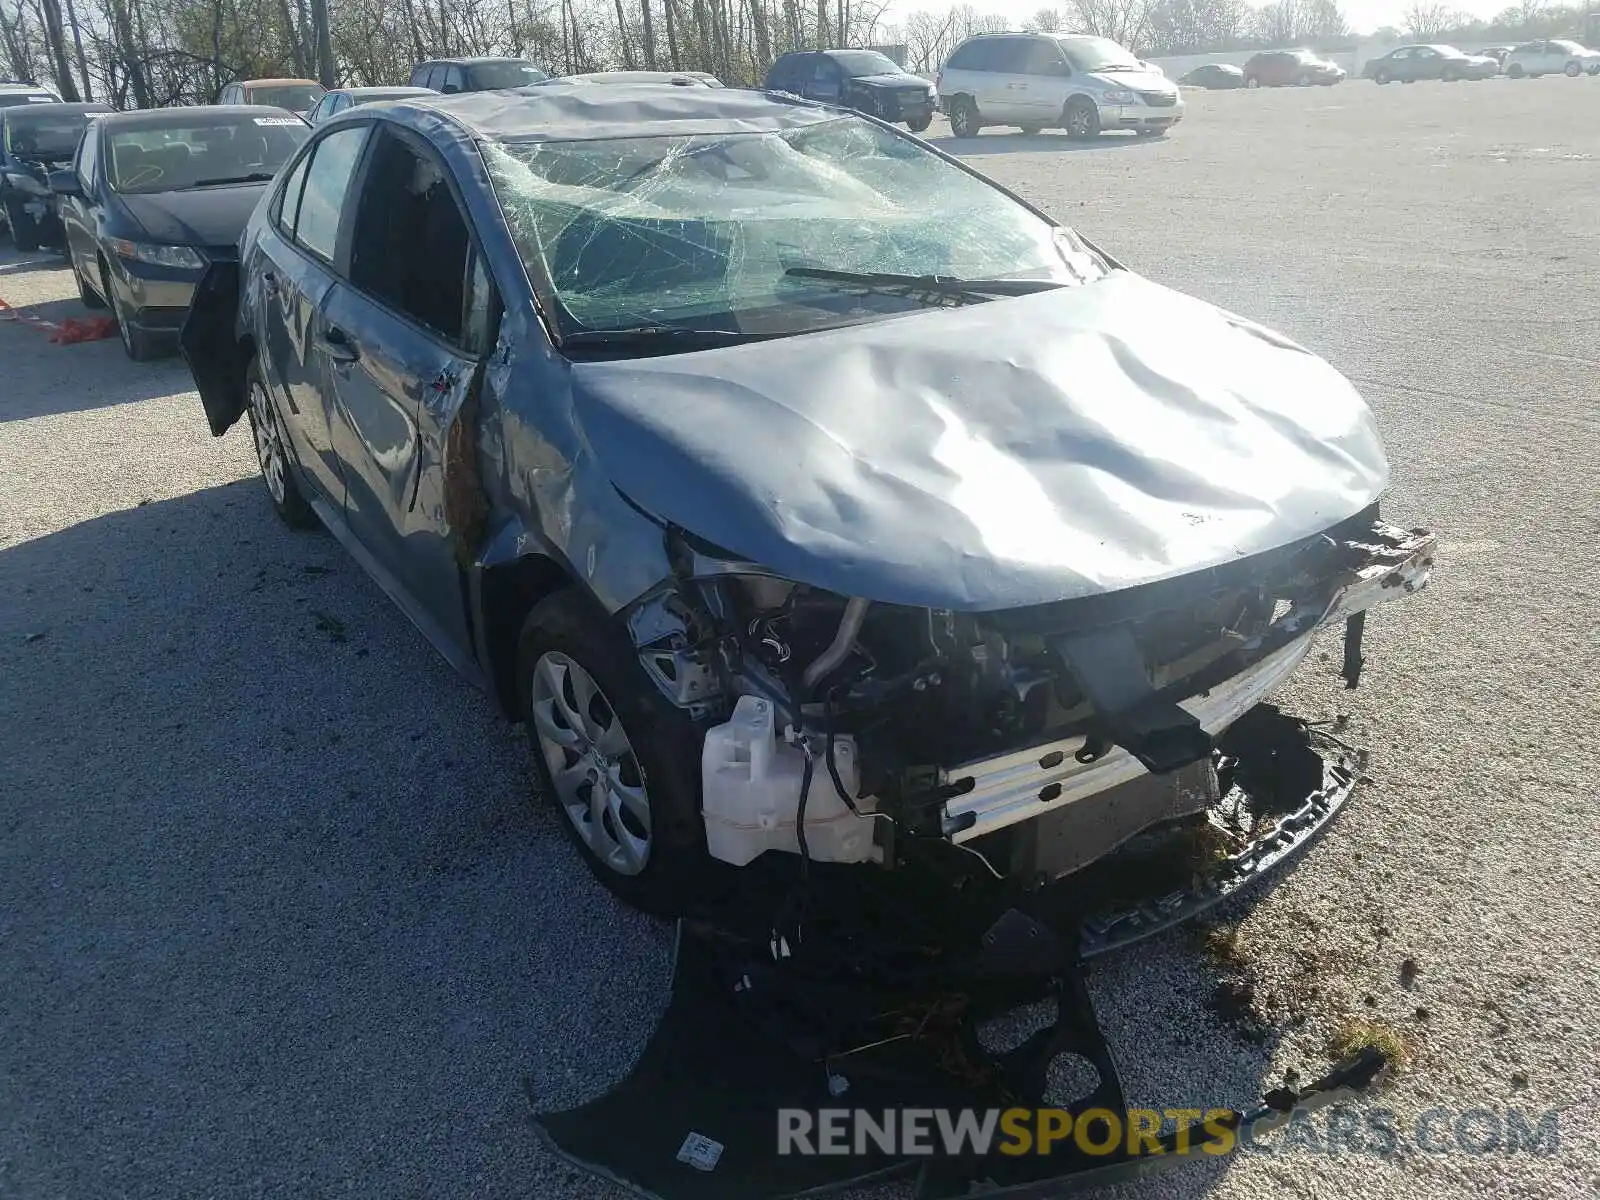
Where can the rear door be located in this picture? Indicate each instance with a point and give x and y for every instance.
(293, 269)
(411, 323)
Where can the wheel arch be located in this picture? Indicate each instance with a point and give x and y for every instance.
(507, 592)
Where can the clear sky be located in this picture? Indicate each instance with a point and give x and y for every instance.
(1363, 15)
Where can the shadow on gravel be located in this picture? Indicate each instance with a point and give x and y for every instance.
(1052, 142)
(278, 916)
(35, 384)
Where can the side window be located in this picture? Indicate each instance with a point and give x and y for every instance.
(965, 58)
(824, 71)
(428, 76)
(477, 334)
(1009, 56)
(455, 80)
(410, 245)
(333, 162)
(1044, 57)
(88, 149)
(286, 208)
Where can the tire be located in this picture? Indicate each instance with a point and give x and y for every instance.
(272, 454)
(919, 124)
(136, 343)
(1250, 81)
(567, 646)
(24, 229)
(1515, 71)
(964, 122)
(90, 298)
(1573, 70)
(1031, 130)
(1383, 76)
(1081, 119)
(1450, 76)
(1595, 70)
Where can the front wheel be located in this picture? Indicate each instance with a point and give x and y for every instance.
(136, 343)
(1515, 71)
(612, 755)
(964, 121)
(1081, 119)
(272, 454)
(919, 124)
(24, 229)
(1573, 70)
(1449, 76)
(1382, 76)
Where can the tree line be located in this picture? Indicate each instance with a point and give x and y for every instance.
(145, 53)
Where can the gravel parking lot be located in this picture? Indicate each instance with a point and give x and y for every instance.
(276, 919)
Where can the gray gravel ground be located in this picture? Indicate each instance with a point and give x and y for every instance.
(276, 920)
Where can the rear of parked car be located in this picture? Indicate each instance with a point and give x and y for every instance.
(1082, 84)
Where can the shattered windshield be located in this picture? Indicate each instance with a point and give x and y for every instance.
(749, 233)
(859, 63)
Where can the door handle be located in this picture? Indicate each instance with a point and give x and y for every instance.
(338, 345)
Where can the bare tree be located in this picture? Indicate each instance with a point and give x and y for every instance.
(1123, 21)
(1046, 20)
(1427, 19)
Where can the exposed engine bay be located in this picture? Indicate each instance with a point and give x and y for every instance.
(851, 731)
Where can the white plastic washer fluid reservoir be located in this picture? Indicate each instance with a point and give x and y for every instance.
(750, 781)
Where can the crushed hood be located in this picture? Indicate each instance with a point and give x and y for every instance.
(1009, 453)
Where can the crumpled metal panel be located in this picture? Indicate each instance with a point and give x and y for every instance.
(1009, 453)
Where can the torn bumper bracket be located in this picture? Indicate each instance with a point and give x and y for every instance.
(745, 1037)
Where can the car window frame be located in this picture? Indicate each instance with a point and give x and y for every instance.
(475, 252)
(291, 236)
(1043, 46)
(86, 160)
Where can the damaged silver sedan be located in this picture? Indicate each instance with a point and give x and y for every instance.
(808, 493)
(891, 582)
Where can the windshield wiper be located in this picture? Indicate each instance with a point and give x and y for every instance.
(678, 337)
(253, 177)
(944, 285)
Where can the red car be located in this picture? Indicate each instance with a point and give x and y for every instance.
(1281, 68)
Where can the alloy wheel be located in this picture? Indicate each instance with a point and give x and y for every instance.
(269, 442)
(591, 763)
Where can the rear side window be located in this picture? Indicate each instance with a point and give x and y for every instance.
(327, 179)
(966, 58)
(455, 80)
(410, 247)
(1010, 55)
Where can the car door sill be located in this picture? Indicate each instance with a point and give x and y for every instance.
(429, 628)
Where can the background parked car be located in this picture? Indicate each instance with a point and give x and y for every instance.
(154, 195)
(863, 80)
(299, 96)
(1411, 63)
(1082, 84)
(12, 94)
(1498, 53)
(452, 75)
(1556, 56)
(671, 78)
(340, 99)
(1214, 77)
(34, 138)
(1290, 68)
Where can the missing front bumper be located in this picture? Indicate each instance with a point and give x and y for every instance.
(869, 993)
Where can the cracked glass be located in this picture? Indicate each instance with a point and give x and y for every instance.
(704, 232)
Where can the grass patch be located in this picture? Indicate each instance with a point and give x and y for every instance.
(1355, 1034)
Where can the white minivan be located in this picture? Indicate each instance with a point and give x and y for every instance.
(1085, 85)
